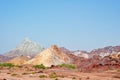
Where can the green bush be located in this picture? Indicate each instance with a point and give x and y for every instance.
(19, 66)
(53, 75)
(25, 73)
(41, 66)
(14, 74)
(42, 76)
(70, 66)
(6, 65)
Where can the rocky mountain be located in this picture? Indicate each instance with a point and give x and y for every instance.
(105, 51)
(83, 54)
(50, 56)
(26, 48)
(3, 58)
(64, 50)
(20, 60)
(100, 52)
(98, 59)
(77, 53)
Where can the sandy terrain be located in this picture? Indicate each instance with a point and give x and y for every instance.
(55, 74)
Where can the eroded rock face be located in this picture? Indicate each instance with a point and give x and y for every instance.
(100, 64)
(106, 51)
(50, 56)
(20, 60)
(26, 48)
(64, 50)
(82, 54)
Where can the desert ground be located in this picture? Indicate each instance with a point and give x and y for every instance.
(26, 73)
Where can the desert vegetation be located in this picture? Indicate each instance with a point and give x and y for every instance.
(41, 66)
(70, 66)
(6, 65)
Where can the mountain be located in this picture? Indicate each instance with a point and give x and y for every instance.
(64, 50)
(20, 60)
(26, 48)
(105, 51)
(77, 53)
(83, 54)
(50, 56)
(3, 58)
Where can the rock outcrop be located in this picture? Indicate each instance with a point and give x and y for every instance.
(50, 56)
(106, 51)
(19, 60)
(82, 54)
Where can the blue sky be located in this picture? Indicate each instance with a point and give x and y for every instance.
(74, 24)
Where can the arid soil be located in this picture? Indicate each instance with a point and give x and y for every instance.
(26, 73)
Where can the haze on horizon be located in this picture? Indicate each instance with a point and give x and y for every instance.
(74, 24)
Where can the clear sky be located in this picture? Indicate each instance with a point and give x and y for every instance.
(74, 24)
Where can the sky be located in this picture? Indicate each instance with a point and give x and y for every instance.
(74, 24)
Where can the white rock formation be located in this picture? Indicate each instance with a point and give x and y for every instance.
(26, 48)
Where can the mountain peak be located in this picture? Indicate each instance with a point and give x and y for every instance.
(50, 56)
(55, 49)
(27, 40)
(54, 46)
(26, 48)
